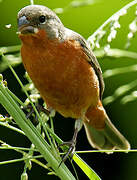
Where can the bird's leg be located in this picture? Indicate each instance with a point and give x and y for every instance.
(72, 143)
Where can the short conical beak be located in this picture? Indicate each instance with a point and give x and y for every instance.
(24, 26)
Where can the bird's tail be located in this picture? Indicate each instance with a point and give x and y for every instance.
(101, 133)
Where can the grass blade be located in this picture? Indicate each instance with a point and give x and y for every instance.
(85, 168)
(33, 134)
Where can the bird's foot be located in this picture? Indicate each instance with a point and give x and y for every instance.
(70, 152)
(72, 143)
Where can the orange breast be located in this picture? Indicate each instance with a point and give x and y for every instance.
(61, 73)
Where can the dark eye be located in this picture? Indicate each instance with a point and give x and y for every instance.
(42, 19)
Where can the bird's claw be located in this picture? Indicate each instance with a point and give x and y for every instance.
(70, 151)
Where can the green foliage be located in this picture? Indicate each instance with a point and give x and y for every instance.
(104, 36)
(109, 42)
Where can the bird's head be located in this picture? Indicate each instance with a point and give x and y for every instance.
(34, 18)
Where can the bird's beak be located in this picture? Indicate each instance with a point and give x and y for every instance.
(24, 26)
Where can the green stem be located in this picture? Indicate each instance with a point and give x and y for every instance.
(9, 49)
(5, 124)
(16, 148)
(33, 159)
(116, 53)
(27, 155)
(33, 134)
(18, 160)
(39, 163)
(113, 72)
(16, 98)
(106, 151)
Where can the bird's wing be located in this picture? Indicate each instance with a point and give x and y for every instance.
(91, 57)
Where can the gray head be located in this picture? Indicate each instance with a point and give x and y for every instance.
(32, 18)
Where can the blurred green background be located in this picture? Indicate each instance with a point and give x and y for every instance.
(85, 20)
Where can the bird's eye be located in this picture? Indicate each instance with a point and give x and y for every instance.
(42, 19)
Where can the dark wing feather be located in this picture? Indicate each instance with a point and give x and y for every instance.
(94, 63)
(91, 57)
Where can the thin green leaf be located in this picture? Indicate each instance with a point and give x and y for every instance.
(85, 168)
(33, 134)
(129, 98)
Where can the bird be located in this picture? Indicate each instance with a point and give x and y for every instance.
(68, 76)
